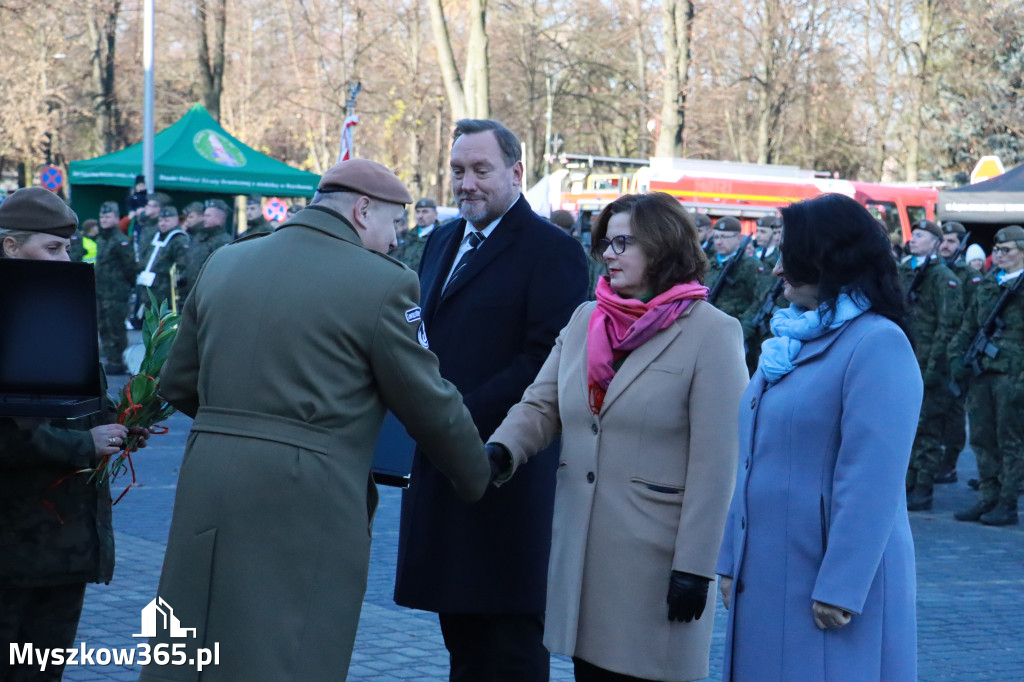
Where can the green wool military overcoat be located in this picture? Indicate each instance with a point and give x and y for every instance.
(291, 348)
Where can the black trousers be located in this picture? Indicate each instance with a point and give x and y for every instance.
(45, 616)
(588, 672)
(496, 647)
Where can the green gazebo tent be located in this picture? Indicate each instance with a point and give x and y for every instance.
(193, 159)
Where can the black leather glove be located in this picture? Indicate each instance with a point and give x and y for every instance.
(687, 596)
(500, 457)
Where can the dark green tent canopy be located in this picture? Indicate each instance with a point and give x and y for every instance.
(192, 159)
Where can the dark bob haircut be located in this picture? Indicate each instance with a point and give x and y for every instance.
(665, 233)
(833, 241)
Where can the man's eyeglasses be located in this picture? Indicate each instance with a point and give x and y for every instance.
(1005, 250)
(618, 243)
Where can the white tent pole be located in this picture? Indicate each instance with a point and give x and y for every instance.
(147, 116)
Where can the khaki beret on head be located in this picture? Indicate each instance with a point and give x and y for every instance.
(194, 207)
(110, 207)
(563, 219)
(159, 197)
(1013, 233)
(256, 199)
(36, 209)
(728, 224)
(927, 226)
(363, 176)
(168, 211)
(772, 221)
(218, 204)
(701, 219)
(426, 202)
(950, 227)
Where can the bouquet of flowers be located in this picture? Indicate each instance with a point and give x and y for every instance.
(139, 404)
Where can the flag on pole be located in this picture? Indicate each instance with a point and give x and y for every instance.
(345, 151)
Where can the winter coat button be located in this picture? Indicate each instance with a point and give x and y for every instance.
(590, 477)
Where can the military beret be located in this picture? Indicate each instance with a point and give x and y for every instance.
(218, 204)
(159, 197)
(194, 207)
(974, 252)
(1012, 233)
(363, 176)
(950, 227)
(772, 221)
(256, 199)
(927, 226)
(294, 208)
(701, 219)
(168, 211)
(426, 202)
(36, 209)
(563, 219)
(728, 224)
(110, 207)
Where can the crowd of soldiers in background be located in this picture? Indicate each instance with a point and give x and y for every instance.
(968, 329)
(150, 246)
(968, 334)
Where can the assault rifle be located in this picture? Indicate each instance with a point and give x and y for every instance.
(727, 270)
(983, 340)
(762, 319)
(959, 253)
(922, 271)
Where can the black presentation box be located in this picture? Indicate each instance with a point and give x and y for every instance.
(49, 346)
(392, 458)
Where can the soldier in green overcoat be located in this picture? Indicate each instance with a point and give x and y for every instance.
(995, 387)
(936, 308)
(291, 348)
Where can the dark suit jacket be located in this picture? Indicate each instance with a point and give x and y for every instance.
(491, 330)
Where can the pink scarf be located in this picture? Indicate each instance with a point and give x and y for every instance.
(619, 325)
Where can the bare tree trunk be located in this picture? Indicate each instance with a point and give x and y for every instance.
(211, 69)
(446, 60)
(677, 32)
(477, 65)
(640, 36)
(926, 17)
(103, 37)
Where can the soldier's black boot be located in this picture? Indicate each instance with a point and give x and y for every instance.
(1003, 515)
(976, 512)
(946, 477)
(920, 498)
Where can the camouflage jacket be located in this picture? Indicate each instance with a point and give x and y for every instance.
(765, 284)
(740, 292)
(203, 243)
(1009, 337)
(55, 526)
(115, 265)
(410, 251)
(143, 230)
(173, 254)
(936, 310)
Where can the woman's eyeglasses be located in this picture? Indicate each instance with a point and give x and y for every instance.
(618, 243)
(1005, 250)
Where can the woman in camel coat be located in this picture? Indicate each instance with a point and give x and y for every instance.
(643, 386)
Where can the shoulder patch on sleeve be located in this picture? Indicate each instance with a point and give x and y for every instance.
(953, 283)
(975, 279)
(412, 315)
(422, 336)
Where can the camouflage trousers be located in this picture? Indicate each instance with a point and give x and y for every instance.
(45, 616)
(954, 429)
(112, 313)
(926, 457)
(994, 406)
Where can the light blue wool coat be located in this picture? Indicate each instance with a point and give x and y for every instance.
(819, 513)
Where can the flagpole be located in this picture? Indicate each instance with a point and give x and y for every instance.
(345, 147)
(147, 109)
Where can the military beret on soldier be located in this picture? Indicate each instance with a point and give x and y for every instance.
(256, 199)
(701, 219)
(36, 209)
(426, 202)
(772, 221)
(110, 207)
(1013, 233)
(194, 207)
(168, 212)
(218, 204)
(728, 224)
(363, 176)
(927, 226)
(159, 197)
(951, 227)
(563, 219)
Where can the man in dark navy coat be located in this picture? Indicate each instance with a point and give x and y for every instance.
(496, 288)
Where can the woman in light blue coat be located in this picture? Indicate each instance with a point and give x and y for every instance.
(818, 559)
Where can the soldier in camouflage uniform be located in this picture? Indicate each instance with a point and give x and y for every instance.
(193, 216)
(416, 239)
(170, 252)
(769, 235)
(936, 308)
(995, 397)
(205, 239)
(145, 227)
(115, 276)
(740, 291)
(255, 222)
(55, 529)
(703, 223)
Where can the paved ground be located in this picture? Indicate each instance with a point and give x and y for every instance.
(970, 588)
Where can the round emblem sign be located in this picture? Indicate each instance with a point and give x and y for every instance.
(217, 148)
(275, 210)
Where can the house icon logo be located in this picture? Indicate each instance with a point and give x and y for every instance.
(159, 609)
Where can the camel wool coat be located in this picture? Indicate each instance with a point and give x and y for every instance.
(642, 488)
(291, 348)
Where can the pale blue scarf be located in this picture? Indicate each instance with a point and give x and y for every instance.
(795, 325)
